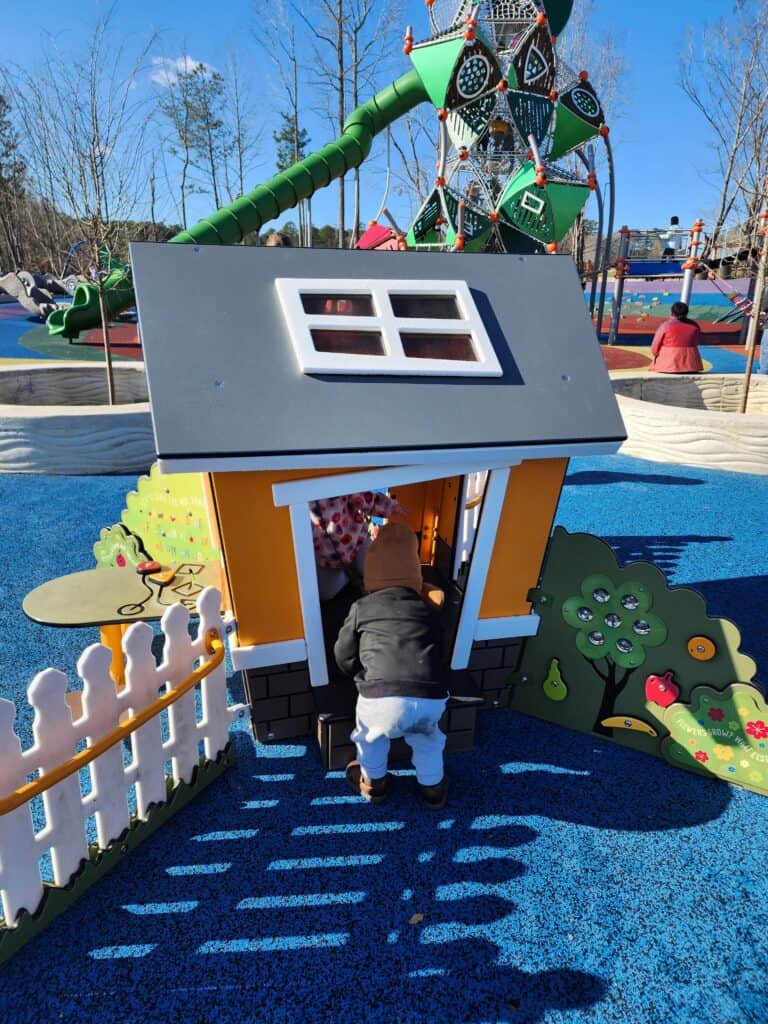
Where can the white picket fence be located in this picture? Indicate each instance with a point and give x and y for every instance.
(106, 780)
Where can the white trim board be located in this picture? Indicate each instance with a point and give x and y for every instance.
(293, 491)
(507, 455)
(495, 490)
(509, 628)
(266, 655)
(309, 595)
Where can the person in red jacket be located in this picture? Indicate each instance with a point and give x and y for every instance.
(674, 347)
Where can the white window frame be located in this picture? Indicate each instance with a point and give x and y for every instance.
(394, 361)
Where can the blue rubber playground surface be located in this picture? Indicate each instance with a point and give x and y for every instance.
(567, 880)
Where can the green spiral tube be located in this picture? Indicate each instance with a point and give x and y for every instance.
(232, 223)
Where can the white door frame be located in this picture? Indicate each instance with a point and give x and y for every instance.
(297, 494)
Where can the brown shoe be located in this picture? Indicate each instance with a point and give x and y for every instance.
(435, 797)
(373, 790)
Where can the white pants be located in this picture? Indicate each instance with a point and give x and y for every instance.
(381, 719)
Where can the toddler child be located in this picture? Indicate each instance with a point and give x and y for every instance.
(391, 643)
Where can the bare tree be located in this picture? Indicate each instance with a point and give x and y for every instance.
(329, 28)
(725, 75)
(414, 141)
(85, 124)
(244, 139)
(283, 46)
(366, 36)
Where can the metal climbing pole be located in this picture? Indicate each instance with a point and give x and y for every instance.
(692, 263)
(622, 267)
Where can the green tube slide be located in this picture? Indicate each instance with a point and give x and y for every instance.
(232, 223)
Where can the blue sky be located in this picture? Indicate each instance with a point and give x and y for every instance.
(660, 145)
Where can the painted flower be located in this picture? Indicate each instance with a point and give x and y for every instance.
(755, 777)
(701, 756)
(722, 752)
(744, 763)
(121, 560)
(733, 726)
(716, 714)
(758, 730)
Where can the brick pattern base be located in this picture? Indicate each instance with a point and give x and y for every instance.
(491, 664)
(283, 704)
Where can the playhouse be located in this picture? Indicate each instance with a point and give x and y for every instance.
(427, 375)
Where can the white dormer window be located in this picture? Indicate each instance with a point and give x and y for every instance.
(386, 327)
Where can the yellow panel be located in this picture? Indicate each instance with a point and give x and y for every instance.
(257, 542)
(449, 501)
(530, 503)
(414, 498)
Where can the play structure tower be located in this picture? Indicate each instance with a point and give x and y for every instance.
(507, 111)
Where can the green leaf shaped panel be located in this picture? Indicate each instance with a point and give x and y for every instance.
(720, 732)
(614, 621)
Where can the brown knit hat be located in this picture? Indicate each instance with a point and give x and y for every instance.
(392, 559)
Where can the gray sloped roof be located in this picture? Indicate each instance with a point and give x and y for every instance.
(223, 378)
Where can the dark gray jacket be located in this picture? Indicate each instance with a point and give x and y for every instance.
(391, 644)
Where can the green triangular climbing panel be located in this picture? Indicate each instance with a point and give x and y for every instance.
(558, 13)
(434, 62)
(570, 132)
(477, 227)
(423, 230)
(566, 202)
(516, 242)
(531, 114)
(475, 74)
(467, 124)
(526, 206)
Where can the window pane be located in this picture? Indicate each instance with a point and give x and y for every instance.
(337, 304)
(426, 307)
(438, 346)
(353, 343)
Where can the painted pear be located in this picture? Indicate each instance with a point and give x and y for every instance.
(554, 685)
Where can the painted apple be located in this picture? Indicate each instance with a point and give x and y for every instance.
(661, 690)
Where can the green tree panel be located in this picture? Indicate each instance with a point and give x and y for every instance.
(585, 591)
(558, 12)
(570, 132)
(566, 202)
(434, 63)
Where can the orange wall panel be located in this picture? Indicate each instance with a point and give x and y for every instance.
(529, 508)
(258, 554)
